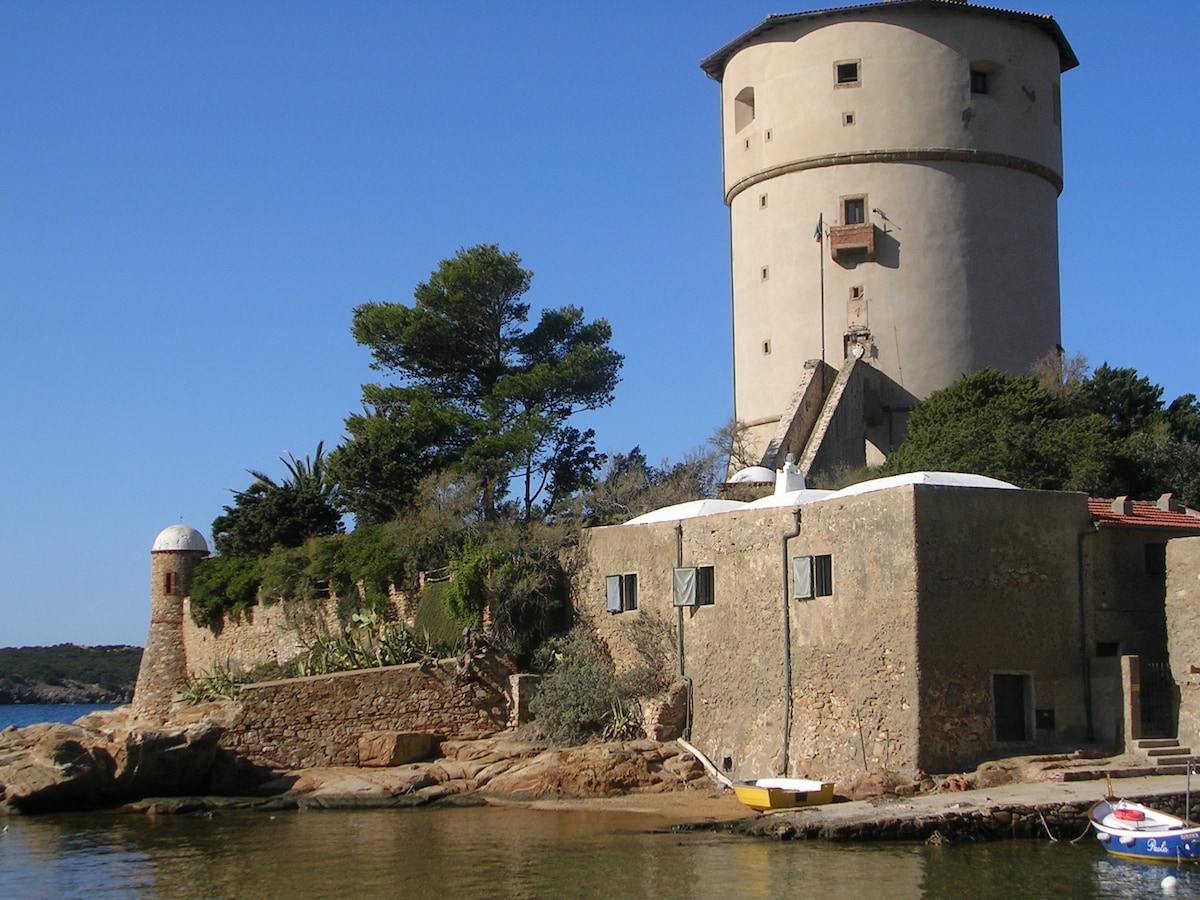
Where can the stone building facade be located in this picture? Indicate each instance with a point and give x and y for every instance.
(1183, 617)
(918, 628)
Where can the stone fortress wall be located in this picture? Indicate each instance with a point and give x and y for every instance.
(264, 635)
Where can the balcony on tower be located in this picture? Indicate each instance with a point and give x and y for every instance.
(852, 241)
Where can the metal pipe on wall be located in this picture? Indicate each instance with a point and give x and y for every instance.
(687, 721)
(1084, 650)
(787, 642)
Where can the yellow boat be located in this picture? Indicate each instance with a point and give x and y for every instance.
(783, 793)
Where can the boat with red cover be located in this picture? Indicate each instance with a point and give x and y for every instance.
(1140, 832)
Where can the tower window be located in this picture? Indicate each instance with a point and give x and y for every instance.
(766, 348)
(856, 292)
(168, 583)
(743, 108)
(846, 73)
(765, 273)
(854, 210)
(984, 73)
(762, 201)
(767, 135)
(847, 118)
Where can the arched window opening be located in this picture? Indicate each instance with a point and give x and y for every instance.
(743, 108)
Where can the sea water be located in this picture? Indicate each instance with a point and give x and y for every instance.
(22, 714)
(513, 851)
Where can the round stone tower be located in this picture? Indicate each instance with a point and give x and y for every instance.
(892, 172)
(173, 558)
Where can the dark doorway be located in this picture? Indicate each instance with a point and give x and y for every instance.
(1158, 700)
(1011, 695)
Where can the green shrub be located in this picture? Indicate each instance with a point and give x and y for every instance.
(369, 642)
(576, 700)
(223, 583)
(286, 575)
(219, 684)
(431, 618)
(472, 567)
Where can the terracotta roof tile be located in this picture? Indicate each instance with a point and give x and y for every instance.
(1146, 514)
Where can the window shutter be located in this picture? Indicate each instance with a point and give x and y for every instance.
(802, 586)
(683, 583)
(612, 585)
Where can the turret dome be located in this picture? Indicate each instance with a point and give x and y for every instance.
(179, 537)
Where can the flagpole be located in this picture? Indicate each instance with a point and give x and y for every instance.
(821, 252)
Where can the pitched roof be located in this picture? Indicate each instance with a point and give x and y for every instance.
(1143, 514)
(714, 65)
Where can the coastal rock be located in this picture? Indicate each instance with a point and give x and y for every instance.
(59, 767)
(596, 770)
(378, 749)
(876, 783)
(664, 718)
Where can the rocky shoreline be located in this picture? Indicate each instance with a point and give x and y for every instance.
(20, 691)
(104, 761)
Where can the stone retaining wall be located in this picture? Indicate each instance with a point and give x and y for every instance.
(317, 721)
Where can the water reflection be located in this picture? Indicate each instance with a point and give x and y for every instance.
(516, 852)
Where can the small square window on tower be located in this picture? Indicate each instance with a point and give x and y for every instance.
(847, 118)
(762, 201)
(846, 73)
(854, 210)
(856, 292)
(979, 82)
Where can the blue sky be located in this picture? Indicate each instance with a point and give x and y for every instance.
(195, 195)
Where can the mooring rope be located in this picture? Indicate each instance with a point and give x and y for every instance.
(1042, 816)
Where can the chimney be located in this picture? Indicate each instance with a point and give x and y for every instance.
(1123, 506)
(1168, 503)
(789, 478)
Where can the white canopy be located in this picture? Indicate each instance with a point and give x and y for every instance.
(690, 510)
(790, 498)
(950, 479)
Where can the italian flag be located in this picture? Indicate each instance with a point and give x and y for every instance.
(820, 226)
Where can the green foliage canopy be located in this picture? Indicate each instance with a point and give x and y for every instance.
(108, 666)
(269, 514)
(1106, 436)
(478, 389)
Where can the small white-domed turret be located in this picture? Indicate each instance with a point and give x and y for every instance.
(173, 558)
(179, 537)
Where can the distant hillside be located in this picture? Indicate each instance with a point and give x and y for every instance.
(68, 673)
